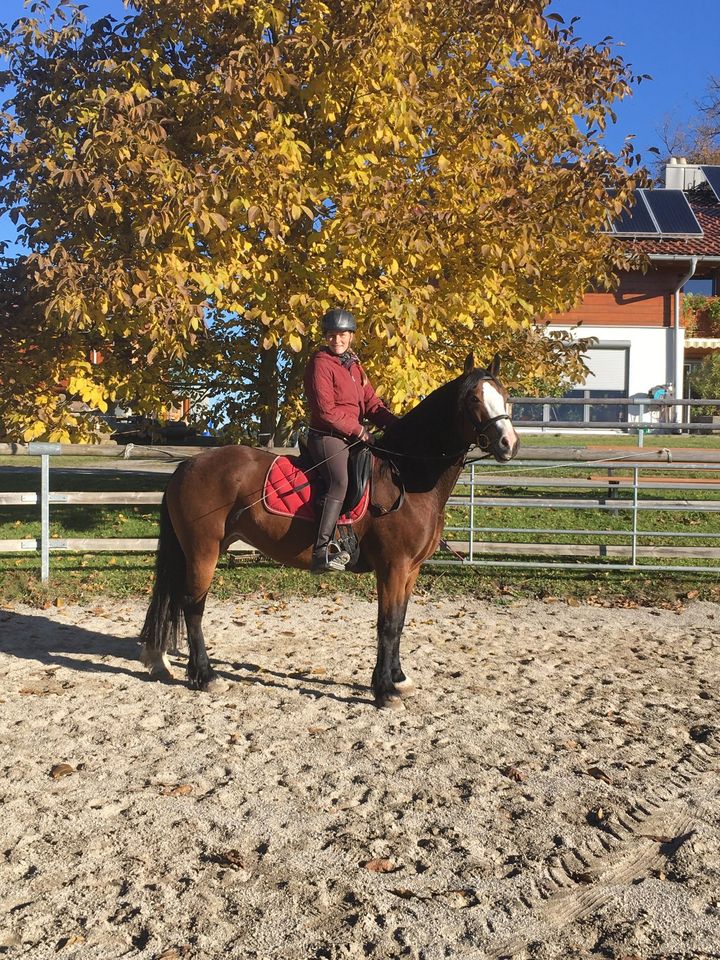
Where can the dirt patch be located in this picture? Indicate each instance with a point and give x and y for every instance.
(551, 791)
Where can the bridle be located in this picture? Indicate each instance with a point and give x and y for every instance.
(481, 426)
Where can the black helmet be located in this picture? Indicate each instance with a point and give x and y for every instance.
(338, 321)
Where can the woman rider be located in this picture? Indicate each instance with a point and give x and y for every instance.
(340, 397)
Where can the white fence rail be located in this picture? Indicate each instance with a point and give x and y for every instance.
(630, 491)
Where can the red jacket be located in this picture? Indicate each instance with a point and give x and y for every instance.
(340, 398)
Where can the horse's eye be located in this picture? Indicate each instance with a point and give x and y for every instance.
(473, 399)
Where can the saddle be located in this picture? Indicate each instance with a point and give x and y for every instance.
(293, 487)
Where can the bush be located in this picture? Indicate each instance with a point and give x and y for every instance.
(706, 385)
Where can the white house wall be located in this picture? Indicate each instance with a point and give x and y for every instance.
(650, 353)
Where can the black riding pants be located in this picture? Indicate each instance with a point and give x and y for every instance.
(331, 456)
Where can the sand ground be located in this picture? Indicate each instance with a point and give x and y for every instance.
(550, 792)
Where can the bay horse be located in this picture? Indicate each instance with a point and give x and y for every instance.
(215, 498)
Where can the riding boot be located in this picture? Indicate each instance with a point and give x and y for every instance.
(328, 555)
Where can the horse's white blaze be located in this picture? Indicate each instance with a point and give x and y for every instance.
(495, 407)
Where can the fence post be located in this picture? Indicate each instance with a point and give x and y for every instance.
(641, 430)
(44, 450)
(636, 472)
(471, 542)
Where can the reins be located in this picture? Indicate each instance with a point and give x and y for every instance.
(480, 427)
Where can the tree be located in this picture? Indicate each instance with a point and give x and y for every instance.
(199, 182)
(696, 138)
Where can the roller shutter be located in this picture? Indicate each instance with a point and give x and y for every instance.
(608, 369)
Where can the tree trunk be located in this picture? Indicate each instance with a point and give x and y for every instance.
(268, 400)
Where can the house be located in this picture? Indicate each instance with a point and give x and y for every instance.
(642, 346)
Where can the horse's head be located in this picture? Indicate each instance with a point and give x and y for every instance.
(483, 408)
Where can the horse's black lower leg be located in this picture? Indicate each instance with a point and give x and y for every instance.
(396, 670)
(199, 670)
(387, 670)
(403, 684)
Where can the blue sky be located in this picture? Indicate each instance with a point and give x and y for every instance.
(677, 44)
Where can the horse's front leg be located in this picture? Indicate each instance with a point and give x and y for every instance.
(403, 684)
(393, 598)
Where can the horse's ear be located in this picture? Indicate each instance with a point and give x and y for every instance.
(469, 363)
(494, 368)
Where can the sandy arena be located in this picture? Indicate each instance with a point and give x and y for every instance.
(550, 792)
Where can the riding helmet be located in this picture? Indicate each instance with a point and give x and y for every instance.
(338, 321)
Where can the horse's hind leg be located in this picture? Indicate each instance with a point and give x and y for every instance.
(200, 570)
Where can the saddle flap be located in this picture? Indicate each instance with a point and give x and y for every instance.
(359, 471)
(291, 491)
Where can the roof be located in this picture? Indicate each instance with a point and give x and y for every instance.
(707, 210)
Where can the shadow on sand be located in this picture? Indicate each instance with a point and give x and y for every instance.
(48, 643)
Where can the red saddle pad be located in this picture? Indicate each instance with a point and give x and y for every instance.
(290, 492)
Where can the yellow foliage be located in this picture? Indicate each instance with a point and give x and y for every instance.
(429, 166)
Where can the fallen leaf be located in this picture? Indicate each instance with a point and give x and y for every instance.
(461, 899)
(314, 730)
(692, 594)
(231, 858)
(59, 601)
(514, 774)
(599, 774)
(318, 671)
(181, 790)
(73, 940)
(40, 691)
(381, 866)
(61, 770)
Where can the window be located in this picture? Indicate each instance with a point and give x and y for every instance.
(704, 287)
(607, 379)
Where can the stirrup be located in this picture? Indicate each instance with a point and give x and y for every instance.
(329, 558)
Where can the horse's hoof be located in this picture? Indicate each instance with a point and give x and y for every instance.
(391, 702)
(406, 687)
(158, 665)
(162, 674)
(215, 685)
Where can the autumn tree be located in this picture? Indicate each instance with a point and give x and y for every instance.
(199, 182)
(696, 137)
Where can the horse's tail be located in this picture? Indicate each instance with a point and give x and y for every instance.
(163, 620)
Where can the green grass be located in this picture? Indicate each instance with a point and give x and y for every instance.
(651, 441)
(83, 577)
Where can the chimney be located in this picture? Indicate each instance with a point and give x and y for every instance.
(674, 175)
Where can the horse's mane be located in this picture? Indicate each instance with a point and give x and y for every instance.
(433, 421)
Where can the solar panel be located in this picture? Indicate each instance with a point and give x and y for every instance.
(672, 212)
(712, 175)
(637, 220)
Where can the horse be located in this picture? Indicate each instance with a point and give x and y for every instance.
(216, 498)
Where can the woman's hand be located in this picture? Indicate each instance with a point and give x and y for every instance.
(366, 437)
